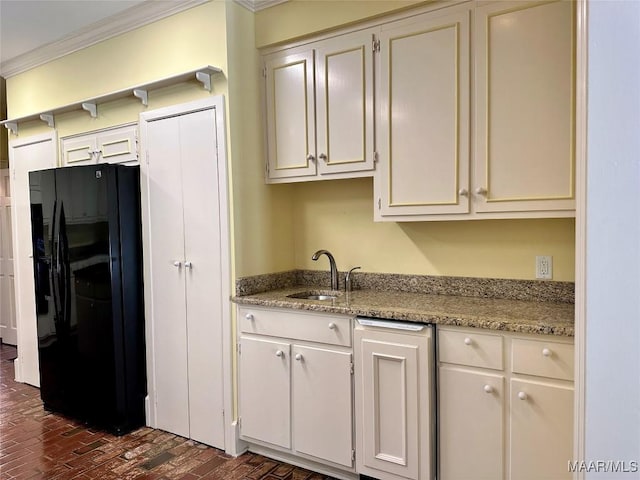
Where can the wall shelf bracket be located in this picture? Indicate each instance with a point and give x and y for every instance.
(142, 94)
(12, 127)
(48, 119)
(91, 107)
(204, 77)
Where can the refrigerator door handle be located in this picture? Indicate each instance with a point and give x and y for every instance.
(55, 266)
(64, 284)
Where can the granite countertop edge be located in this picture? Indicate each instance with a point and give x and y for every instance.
(518, 316)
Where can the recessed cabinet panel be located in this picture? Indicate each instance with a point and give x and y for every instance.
(264, 382)
(541, 428)
(471, 424)
(525, 109)
(291, 122)
(322, 410)
(424, 105)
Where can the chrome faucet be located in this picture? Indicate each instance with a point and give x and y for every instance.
(332, 264)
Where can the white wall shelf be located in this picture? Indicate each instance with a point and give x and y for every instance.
(202, 75)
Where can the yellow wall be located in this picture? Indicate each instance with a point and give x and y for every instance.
(299, 18)
(338, 215)
(262, 213)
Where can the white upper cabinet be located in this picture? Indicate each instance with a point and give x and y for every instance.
(291, 135)
(524, 116)
(423, 129)
(319, 109)
(114, 145)
(344, 110)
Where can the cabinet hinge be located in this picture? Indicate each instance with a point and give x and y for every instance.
(376, 157)
(379, 203)
(376, 45)
(147, 158)
(351, 368)
(239, 348)
(264, 72)
(353, 455)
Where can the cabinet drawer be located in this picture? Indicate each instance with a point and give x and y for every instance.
(471, 349)
(543, 359)
(311, 327)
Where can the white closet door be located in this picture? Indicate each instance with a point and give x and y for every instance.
(33, 153)
(8, 330)
(187, 301)
(203, 270)
(168, 306)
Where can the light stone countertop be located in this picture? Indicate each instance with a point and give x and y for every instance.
(549, 318)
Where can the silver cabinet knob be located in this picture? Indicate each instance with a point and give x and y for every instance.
(177, 263)
(332, 326)
(463, 192)
(488, 389)
(546, 352)
(522, 396)
(279, 353)
(481, 191)
(323, 157)
(249, 316)
(468, 341)
(311, 157)
(188, 265)
(299, 357)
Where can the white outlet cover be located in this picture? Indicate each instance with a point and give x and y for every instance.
(544, 267)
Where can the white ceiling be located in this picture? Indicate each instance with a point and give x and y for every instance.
(26, 25)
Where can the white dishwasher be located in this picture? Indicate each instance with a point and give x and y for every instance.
(395, 401)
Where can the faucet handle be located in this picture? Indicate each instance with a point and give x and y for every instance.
(347, 279)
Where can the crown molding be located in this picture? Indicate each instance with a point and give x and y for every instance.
(257, 5)
(137, 16)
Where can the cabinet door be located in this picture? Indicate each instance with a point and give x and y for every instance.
(423, 132)
(524, 106)
(393, 405)
(322, 404)
(78, 150)
(470, 424)
(290, 115)
(541, 430)
(118, 145)
(264, 391)
(344, 88)
(203, 267)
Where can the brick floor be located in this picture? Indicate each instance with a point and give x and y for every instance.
(35, 444)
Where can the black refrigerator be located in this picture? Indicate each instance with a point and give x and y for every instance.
(87, 253)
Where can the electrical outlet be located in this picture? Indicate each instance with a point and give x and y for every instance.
(544, 267)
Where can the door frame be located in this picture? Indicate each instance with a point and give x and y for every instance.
(216, 103)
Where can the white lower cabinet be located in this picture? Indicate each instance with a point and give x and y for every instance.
(505, 406)
(471, 439)
(295, 385)
(393, 403)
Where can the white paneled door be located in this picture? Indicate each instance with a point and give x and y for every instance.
(184, 265)
(32, 153)
(8, 330)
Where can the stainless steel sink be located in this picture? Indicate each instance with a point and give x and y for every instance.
(314, 296)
